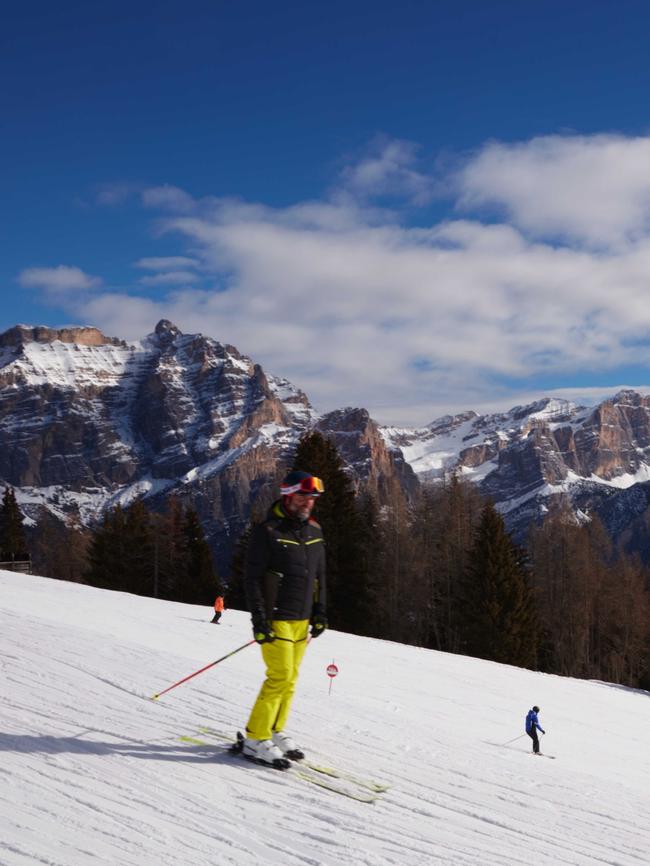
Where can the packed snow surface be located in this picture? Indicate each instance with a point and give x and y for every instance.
(93, 772)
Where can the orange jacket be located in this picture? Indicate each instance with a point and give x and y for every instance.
(218, 605)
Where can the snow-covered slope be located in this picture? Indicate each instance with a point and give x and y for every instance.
(93, 773)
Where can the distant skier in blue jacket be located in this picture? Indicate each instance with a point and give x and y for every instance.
(532, 726)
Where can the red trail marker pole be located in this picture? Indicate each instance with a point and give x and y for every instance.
(332, 671)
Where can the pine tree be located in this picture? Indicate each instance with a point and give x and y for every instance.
(13, 545)
(60, 549)
(498, 614)
(367, 610)
(140, 551)
(170, 560)
(460, 510)
(401, 584)
(201, 585)
(107, 557)
(623, 646)
(593, 602)
(235, 593)
(166, 556)
(347, 580)
(418, 594)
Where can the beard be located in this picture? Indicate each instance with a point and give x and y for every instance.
(299, 510)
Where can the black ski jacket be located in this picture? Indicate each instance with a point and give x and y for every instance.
(285, 567)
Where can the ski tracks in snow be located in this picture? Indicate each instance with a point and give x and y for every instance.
(93, 775)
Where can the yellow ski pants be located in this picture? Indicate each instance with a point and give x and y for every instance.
(282, 658)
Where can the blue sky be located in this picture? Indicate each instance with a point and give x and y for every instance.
(417, 207)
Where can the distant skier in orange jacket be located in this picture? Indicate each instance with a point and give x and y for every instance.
(218, 609)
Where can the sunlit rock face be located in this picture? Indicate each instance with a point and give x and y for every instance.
(87, 421)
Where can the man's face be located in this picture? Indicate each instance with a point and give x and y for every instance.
(300, 505)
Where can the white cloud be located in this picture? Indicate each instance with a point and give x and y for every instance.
(589, 189)
(168, 198)
(170, 278)
(165, 263)
(112, 194)
(388, 169)
(58, 281)
(126, 316)
(387, 316)
(359, 308)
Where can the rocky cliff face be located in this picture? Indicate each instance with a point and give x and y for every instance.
(81, 336)
(520, 458)
(88, 421)
(379, 467)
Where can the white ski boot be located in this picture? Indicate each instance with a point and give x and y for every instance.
(264, 752)
(287, 746)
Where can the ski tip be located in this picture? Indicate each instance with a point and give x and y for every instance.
(154, 697)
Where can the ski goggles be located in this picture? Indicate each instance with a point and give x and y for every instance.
(311, 486)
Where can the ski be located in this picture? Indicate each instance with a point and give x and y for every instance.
(332, 772)
(359, 796)
(295, 771)
(375, 787)
(193, 741)
(515, 749)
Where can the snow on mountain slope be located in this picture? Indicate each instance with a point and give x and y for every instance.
(66, 365)
(94, 773)
(89, 421)
(471, 441)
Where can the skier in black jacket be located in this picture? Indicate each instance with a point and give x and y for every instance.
(285, 587)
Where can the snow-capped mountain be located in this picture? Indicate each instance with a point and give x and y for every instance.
(87, 421)
(521, 457)
(469, 442)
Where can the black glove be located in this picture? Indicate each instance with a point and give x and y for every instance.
(262, 629)
(318, 620)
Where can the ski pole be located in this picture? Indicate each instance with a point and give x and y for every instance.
(515, 738)
(196, 673)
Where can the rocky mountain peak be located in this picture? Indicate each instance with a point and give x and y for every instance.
(451, 422)
(628, 397)
(166, 332)
(362, 446)
(20, 335)
(546, 409)
(345, 420)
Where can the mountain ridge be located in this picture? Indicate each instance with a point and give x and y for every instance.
(88, 421)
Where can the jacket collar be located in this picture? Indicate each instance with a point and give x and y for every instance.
(277, 511)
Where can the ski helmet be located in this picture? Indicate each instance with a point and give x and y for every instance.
(535, 709)
(301, 482)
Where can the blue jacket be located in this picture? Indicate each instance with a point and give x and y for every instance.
(533, 722)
